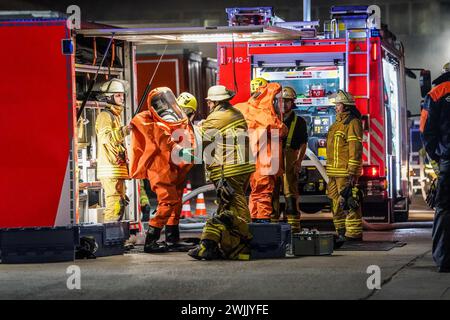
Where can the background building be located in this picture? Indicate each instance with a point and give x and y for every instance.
(423, 27)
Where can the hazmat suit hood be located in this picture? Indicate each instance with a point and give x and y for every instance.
(163, 106)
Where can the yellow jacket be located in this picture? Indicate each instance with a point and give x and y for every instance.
(111, 152)
(225, 121)
(344, 146)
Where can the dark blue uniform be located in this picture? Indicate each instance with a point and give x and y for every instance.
(436, 137)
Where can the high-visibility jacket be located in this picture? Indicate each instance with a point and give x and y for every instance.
(226, 127)
(111, 157)
(263, 120)
(344, 146)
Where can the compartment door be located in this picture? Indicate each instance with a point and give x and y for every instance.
(37, 124)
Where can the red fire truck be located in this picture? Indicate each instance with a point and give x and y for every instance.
(48, 163)
(352, 54)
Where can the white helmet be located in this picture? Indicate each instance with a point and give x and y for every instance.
(219, 93)
(114, 86)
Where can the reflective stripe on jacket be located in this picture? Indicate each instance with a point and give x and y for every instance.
(344, 146)
(112, 159)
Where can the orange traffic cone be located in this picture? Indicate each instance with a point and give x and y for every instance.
(188, 186)
(186, 209)
(200, 208)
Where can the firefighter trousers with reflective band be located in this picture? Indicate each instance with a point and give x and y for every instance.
(348, 224)
(230, 232)
(263, 188)
(169, 197)
(441, 226)
(239, 204)
(114, 193)
(290, 177)
(290, 189)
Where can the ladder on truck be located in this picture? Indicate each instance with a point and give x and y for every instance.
(353, 39)
(357, 77)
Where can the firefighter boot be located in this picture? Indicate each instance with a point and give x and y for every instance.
(293, 216)
(207, 250)
(173, 240)
(339, 239)
(151, 245)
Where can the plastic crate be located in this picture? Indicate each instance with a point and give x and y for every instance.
(269, 240)
(38, 245)
(312, 244)
(110, 237)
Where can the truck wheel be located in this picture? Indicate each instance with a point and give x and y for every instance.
(311, 207)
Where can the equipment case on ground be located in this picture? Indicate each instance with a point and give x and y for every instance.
(269, 240)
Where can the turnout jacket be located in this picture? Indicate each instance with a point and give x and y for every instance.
(226, 127)
(344, 146)
(111, 157)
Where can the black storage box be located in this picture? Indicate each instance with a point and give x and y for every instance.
(110, 237)
(269, 240)
(312, 244)
(38, 245)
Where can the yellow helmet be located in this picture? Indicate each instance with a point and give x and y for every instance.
(256, 83)
(289, 93)
(187, 100)
(446, 67)
(344, 98)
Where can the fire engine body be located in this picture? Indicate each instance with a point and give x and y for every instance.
(61, 174)
(357, 59)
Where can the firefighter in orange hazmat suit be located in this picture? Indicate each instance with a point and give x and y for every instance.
(160, 135)
(265, 131)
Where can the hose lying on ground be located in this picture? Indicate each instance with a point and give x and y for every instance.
(366, 225)
(396, 225)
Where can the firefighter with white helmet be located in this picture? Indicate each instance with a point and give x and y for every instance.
(188, 103)
(294, 147)
(230, 174)
(112, 169)
(344, 167)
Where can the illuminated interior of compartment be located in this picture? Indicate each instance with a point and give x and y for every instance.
(313, 86)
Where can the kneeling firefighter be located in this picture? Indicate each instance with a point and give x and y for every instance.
(112, 167)
(229, 168)
(154, 156)
(265, 132)
(344, 167)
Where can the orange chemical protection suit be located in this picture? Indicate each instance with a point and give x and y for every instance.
(152, 144)
(265, 128)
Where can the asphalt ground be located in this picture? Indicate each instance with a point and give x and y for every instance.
(406, 272)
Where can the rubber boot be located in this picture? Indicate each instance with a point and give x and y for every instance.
(206, 250)
(339, 239)
(172, 234)
(174, 242)
(151, 245)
